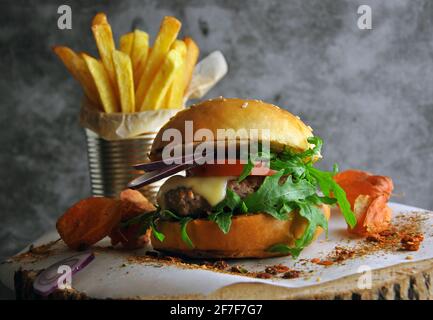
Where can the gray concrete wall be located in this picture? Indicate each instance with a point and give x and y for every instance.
(368, 93)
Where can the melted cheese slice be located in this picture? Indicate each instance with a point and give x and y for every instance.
(213, 189)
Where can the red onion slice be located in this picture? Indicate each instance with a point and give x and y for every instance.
(156, 175)
(161, 164)
(157, 165)
(47, 281)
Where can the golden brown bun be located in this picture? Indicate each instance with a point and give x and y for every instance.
(250, 236)
(224, 113)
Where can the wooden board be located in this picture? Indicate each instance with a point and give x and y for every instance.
(409, 281)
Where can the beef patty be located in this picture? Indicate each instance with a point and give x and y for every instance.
(185, 202)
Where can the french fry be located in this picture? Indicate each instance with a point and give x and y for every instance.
(139, 72)
(158, 89)
(125, 81)
(192, 54)
(77, 67)
(174, 97)
(105, 43)
(100, 18)
(139, 52)
(168, 32)
(126, 43)
(102, 82)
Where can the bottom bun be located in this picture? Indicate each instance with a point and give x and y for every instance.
(250, 236)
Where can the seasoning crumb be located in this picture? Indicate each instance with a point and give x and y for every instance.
(404, 235)
(271, 270)
(263, 275)
(411, 242)
(238, 269)
(322, 262)
(326, 262)
(315, 260)
(279, 268)
(171, 259)
(291, 274)
(220, 264)
(409, 257)
(318, 279)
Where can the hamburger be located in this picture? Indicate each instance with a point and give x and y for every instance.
(273, 203)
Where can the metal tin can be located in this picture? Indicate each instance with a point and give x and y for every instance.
(110, 163)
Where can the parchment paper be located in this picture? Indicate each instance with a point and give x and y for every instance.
(110, 274)
(116, 126)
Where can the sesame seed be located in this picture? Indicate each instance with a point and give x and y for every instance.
(244, 105)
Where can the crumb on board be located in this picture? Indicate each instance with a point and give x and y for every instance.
(273, 271)
(292, 274)
(36, 253)
(404, 235)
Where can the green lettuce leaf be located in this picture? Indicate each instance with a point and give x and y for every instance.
(272, 195)
(183, 233)
(246, 171)
(327, 185)
(224, 221)
(223, 211)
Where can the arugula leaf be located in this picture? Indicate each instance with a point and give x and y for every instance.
(223, 211)
(294, 166)
(170, 214)
(272, 195)
(244, 208)
(183, 224)
(224, 221)
(140, 219)
(285, 249)
(146, 221)
(246, 171)
(315, 151)
(183, 233)
(158, 235)
(145, 224)
(286, 208)
(300, 166)
(229, 203)
(327, 185)
(315, 218)
(318, 200)
(262, 156)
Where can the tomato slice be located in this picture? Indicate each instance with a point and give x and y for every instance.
(227, 170)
